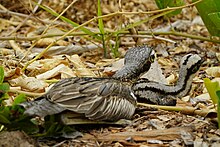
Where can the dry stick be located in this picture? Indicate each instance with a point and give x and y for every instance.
(170, 134)
(7, 12)
(184, 110)
(174, 33)
(15, 90)
(148, 12)
(122, 34)
(185, 35)
(150, 36)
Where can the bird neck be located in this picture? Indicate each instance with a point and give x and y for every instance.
(184, 82)
(181, 88)
(131, 72)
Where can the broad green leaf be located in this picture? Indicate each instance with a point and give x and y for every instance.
(212, 87)
(215, 18)
(218, 107)
(1, 74)
(206, 8)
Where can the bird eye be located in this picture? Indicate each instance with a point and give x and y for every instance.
(195, 69)
(151, 58)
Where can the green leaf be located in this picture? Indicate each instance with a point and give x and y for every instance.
(212, 87)
(101, 27)
(215, 18)
(23, 123)
(4, 115)
(1, 74)
(19, 99)
(208, 10)
(162, 4)
(3, 119)
(5, 96)
(100, 21)
(4, 87)
(218, 107)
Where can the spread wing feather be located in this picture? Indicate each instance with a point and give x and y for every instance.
(97, 98)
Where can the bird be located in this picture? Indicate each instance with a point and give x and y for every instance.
(100, 99)
(137, 61)
(161, 94)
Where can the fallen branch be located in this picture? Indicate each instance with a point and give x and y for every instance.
(183, 110)
(164, 135)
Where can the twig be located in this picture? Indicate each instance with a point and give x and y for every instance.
(149, 12)
(138, 136)
(15, 90)
(8, 12)
(150, 36)
(184, 110)
(122, 34)
(185, 35)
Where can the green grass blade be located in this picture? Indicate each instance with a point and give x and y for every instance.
(85, 30)
(100, 21)
(1, 74)
(19, 99)
(116, 46)
(212, 87)
(218, 107)
(101, 27)
(205, 8)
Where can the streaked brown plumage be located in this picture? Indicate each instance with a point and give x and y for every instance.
(97, 98)
(108, 99)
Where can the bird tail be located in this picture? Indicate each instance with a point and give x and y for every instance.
(41, 107)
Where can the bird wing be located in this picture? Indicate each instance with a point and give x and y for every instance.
(97, 98)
